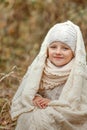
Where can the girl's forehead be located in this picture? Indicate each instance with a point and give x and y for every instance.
(59, 44)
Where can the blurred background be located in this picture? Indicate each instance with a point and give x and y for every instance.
(23, 26)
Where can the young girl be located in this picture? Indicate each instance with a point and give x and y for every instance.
(53, 92)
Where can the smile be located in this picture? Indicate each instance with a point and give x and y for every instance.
(58, 57)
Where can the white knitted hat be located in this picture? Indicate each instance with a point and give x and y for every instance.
(63, 32)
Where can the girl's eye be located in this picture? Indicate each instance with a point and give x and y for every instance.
(65, 48)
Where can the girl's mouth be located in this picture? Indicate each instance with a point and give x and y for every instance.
(58, 57)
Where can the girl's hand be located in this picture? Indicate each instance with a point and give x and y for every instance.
(41, 102)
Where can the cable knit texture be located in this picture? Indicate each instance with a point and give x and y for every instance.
(68, 110)
(54, 76)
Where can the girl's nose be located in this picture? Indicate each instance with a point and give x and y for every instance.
(58, 51)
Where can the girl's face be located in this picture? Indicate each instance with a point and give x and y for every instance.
(59, 53)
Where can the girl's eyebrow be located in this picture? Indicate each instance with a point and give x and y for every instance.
(65, 45)
(52, 44)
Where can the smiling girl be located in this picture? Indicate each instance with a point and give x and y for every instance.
(53, 92)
